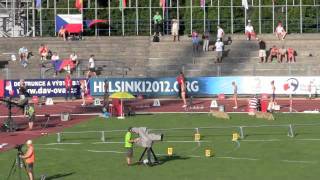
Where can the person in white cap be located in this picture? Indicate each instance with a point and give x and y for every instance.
(29, 158)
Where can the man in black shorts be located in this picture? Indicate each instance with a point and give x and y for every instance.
(128, 144)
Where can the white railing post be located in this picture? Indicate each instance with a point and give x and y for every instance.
(241, 132)
(58, 137)
(103, 136)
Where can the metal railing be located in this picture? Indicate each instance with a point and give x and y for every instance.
(136, 19)
(291, 131)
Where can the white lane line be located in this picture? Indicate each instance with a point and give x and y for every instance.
(117, 152)
(307, 139)
(108, 142)
(304, 162)
(260, 140)
(238, 158)
(50, 144)
(57, 149)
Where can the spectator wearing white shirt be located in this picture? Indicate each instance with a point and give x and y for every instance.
(220, 33)
(219, 49)
(249, 31)
(92, 66)
(54, 59)
(280, 32)
(74, 58)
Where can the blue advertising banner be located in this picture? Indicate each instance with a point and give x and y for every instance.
(42, 87)
(204, 86)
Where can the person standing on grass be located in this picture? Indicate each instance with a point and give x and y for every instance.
(29, 158)
(68, 86)
(128, 144)
(235, 94)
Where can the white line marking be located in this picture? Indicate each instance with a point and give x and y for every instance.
(259, 140)
(108, 142)
(239, 158)
(49, 144)
(307, 139)
(305, 162)
(117, 152)
(57, 149)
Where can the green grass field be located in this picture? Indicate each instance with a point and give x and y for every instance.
(265, 153)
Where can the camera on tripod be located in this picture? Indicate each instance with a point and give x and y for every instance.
(146, 140)
(19, 148)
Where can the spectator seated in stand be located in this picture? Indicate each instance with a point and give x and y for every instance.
(55, 60)
(283, 54)
(74, 58)
(274, 52)
(291, 55)
(63, 33)
(249, 31)
(280, 32)
(43, 52)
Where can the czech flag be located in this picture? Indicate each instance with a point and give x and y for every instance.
(79, 5)
(65, 64)
(71, 22)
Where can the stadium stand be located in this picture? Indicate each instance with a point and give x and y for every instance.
(134, 56)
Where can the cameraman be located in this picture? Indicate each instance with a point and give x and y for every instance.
(29, 159)
(128, 144)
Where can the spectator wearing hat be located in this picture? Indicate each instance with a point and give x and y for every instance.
(219, 49)
(29, 158)
(249, 31)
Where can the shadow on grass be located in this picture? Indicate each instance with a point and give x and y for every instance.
(60, 175)
(164, 159)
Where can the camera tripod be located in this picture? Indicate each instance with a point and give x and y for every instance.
(149, 152)
(17, 163)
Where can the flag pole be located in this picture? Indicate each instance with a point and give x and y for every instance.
(41, 19)
(109, 19)
(122, 18)
(96, 17)
(33, 20)
(137, 18)
(55, 16)
(191, 16)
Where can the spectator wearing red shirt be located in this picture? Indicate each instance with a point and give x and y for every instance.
(291, 55)
(68, 86)
(274, 52)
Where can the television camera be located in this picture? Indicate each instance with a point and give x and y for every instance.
(9, 125)
(17, 163)
(146, 140)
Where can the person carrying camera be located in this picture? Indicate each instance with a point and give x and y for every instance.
(29, 158)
